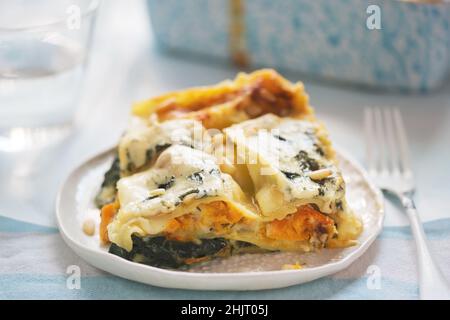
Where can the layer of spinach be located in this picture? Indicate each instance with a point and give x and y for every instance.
(107, 191)
(164, 253)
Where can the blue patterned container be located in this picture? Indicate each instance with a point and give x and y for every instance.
(322, 38)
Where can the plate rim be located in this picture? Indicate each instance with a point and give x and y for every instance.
(316, 272)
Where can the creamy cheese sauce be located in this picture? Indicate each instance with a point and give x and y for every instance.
(180, 179)
(284, 153)
(145, 139)
(179, 175)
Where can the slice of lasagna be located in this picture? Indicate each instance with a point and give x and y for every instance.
(239, 167)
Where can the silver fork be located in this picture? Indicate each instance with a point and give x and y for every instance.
(389, 167)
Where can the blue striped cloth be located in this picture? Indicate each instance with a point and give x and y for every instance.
(34, 261)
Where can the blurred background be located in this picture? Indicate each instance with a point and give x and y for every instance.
(71, 97)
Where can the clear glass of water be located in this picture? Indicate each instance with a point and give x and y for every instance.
(44, 48)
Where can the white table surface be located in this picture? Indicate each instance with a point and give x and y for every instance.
(125, 66)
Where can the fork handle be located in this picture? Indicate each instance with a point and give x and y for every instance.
(432, 282)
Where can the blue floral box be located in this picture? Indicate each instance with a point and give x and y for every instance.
(388, 44)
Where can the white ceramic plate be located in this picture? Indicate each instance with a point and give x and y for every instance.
(244, 272)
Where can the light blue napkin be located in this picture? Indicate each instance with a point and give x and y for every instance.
(34, 262)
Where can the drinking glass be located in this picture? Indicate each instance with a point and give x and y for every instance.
(44, 47)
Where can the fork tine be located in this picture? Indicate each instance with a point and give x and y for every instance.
(370, 139)
(402, 143)
(381, 142)
(392, 142)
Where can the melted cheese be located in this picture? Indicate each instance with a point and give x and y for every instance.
(145, 139)
(280, 154)
(181, 179)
